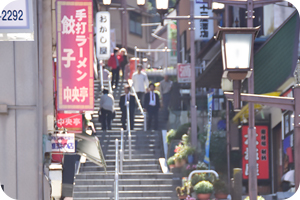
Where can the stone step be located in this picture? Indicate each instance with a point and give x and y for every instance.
(142, 194)
(126, 162)
(151, 187)
(100, 175)
(125, 198)
(126, 166)
(141, 181)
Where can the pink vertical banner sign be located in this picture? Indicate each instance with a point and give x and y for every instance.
(75, 75)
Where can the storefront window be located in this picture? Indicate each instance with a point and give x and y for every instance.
(286, 124)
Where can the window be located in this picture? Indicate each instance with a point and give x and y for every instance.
(135, 23)
(288, 122)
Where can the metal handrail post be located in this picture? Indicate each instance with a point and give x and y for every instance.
(122, 151)
(117, 171)
(135, 56)
(128, 128)
(201, 171)
(101, 75)
(145, 121)
(109, 86)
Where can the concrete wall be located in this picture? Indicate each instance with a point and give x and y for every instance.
(24, 90)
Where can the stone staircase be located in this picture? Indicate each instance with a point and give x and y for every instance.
(142, 177)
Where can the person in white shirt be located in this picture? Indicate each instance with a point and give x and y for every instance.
(107, 108)
(140, 82)
(151, 106)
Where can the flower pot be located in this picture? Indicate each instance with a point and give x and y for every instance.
(180, 163)
(182, 197)
(171, 166)
(190, 159)
(203, 196)
(221, 195)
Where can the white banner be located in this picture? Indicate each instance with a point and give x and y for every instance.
(63, 143)
(204, 28)
(103, 35)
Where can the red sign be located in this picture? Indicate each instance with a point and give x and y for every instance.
(75, 75)
(262, 152)
(72, 122)
(184, 73)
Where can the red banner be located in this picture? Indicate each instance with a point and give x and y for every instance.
(262, 152)
(72, 122)
(75, 76)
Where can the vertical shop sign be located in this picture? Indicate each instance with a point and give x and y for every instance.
(204, 28)
(75, 79)
(172, 42)
(103, 35)
(184, 73)
(70, 121)
(262, 152)
(209, 122)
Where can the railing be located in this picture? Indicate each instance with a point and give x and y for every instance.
(117, 171)
(128, 128)
(201, 171)
(139, 105)
(122, 151)
(101, 74)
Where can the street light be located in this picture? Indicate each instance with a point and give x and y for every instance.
(106, 2)
(162, 8)
(141, 2)
(237, 49)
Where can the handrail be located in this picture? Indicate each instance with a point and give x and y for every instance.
(101, 75)
(128, 128)
(201, 171)
(117, 171)
(139, 105)
(109, 86)
(122, 151)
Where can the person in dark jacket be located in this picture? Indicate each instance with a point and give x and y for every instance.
(124, 61)
(122, 103)
(114, 62)
(151, 106)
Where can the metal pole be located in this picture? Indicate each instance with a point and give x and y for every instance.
(145, 121)
(252, 130)
(297, 135)
(166, 57)
(178, 35)
(228, 145)
(122, 151)
(193, 78)
(124, 23)
(117, 172)
(135, 57)
(128, 128)
(101, 75)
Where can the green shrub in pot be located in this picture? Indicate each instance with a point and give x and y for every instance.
(203, 187)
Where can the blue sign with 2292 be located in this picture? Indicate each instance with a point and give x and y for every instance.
(14, 14)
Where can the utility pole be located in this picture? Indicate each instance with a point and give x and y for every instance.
(124, 23)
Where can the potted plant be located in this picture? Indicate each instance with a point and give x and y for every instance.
(171, 162)
(196, 178)
(181, 192)
(221, 191)
(179, 160)
(203, 189)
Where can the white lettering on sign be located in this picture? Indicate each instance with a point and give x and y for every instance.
(75, 94)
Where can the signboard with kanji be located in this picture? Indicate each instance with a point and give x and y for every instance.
(184, 73)
(204, 28)
(103, 35)
(63, 143)
(75, 75)
(70, 121)
(262, 152)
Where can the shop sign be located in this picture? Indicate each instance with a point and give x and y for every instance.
(103, 35)
(70, 121)
(262, 152)
(204, 28)
(16, 16)
(63, 143)
(184, 73)
(75, 55)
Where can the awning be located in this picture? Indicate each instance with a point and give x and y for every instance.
(244, 113)
(89, 146)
